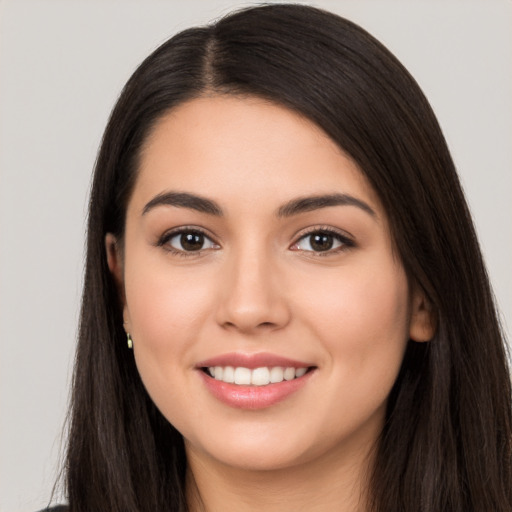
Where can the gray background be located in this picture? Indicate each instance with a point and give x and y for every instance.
(62, 65)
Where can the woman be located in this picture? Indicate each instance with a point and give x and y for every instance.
(285, 305)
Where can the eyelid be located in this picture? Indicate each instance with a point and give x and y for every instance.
(346, 239)
(171, 233)
(342, 236)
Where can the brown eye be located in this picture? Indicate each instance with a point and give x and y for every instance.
(190, 241)
(322, 241)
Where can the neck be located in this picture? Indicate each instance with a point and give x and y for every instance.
(316, 486)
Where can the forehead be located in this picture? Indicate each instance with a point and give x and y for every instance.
(225, 146)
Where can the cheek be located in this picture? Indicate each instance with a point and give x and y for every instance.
(362, 322)
(362, 317)
(163, 305)
(167, 310)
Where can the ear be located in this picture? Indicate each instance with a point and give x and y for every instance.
(423, 321)
(115, 265)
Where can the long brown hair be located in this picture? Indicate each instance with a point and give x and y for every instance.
(446, 443)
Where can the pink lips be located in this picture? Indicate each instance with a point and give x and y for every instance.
(252, 361)
(252, 397)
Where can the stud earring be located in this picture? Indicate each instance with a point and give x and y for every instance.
(129, 340)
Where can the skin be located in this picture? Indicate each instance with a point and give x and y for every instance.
(258, 287)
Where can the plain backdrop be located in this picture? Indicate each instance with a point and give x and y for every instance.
(62, 65)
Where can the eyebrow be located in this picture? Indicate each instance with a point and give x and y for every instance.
(293, 207)
(184, 200)
(310, 203)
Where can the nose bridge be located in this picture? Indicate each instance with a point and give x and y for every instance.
(252, 298)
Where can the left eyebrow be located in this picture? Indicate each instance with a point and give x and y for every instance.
(184, 200)
(310, 203)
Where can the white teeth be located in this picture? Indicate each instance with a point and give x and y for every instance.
(276, 374)
(260, 377)
(289, 373)
(257, 377)
(299, 372)
(229, 374)
(242, 375)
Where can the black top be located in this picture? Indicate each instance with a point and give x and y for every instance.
(57, 508)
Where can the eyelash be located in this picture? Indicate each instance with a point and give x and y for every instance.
(344, 240)
(168, 236)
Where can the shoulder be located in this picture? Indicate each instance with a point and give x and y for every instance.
(56, 508)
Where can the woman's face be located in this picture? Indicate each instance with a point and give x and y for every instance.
(256, 251)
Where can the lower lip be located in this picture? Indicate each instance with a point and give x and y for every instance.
(253, 397)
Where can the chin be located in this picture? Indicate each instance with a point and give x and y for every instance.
(255, 453)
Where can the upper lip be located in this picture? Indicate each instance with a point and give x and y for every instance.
(252, 361)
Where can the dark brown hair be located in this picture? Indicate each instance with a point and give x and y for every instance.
(446, 443)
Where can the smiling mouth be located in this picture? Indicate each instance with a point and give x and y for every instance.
(262, 376)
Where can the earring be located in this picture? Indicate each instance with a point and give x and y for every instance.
(129, 340)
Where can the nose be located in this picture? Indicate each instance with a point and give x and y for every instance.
(252, 297)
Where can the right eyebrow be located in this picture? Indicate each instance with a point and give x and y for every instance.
(316, 202)
(184, 200)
